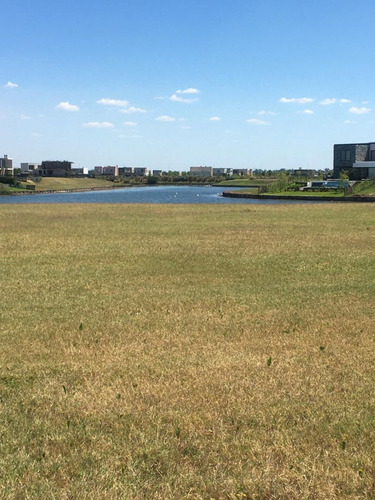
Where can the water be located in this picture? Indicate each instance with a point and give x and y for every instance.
(150, 194)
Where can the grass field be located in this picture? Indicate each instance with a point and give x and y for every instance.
(57, 183)
(198, 352)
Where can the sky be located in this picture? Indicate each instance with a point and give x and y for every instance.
(165, 84)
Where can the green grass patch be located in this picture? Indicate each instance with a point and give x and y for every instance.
(62, 183)
(187, 351)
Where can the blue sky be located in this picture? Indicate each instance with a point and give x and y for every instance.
(258, 84)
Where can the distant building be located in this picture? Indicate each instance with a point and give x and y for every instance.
(141, 171)
(6, 166)
(125, 171)
(109, 170)
(157, 173)
(242, 171)
(80, 171)
(201, 171)
(55, 168)
(222, 171)
(358, 159)
(30, 168)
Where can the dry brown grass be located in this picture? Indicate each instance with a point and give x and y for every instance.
(224, 352)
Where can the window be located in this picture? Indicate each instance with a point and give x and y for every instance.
(345, 155)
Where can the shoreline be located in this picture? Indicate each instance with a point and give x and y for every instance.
(97, 188)
(346, 199)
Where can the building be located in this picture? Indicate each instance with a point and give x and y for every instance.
(125, 171)
(6, 166)
(30, 168)
(157, 173)
(222, 171)
(55, 168)
(109, 170)
(201, 171)
(80, 171)
(242, 171)
(141, 171)
(357, 159)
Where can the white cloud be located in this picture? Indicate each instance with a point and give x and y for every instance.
(297, 100)
(36, 135)
(165, 118)
(25, 117)
(345, 101)
(11, 85)
(359, 111)
(263, 113)
(214, 119)
(308, 111)
(176, 98)
(347, 122)
(326, 102)
(130, 124)
(133, 109)
(98, 125)
(113, 102)
(256, 121)
(66, 106)
(188, 91)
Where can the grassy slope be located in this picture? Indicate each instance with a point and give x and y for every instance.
(246, 182)
(70, 183)
(169, 389)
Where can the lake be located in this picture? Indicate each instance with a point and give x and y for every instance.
(144, 194)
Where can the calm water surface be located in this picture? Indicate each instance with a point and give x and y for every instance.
(149, 194)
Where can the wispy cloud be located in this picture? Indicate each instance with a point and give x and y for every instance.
(130, 124)
(348, 122)
(36, 135)
(25, 117)
(308, 111)
(359, 111)
(176, 98)
(345, 101)
(165, 118)
(133, 109)
(11, 85)
(214, 119)
(66, 106)
(297, 100)
(328, 101)
(264, 113)
(98, 125)
(190, 90)
(256, 121)
(113, 102)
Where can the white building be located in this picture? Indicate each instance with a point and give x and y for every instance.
(30, 168)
